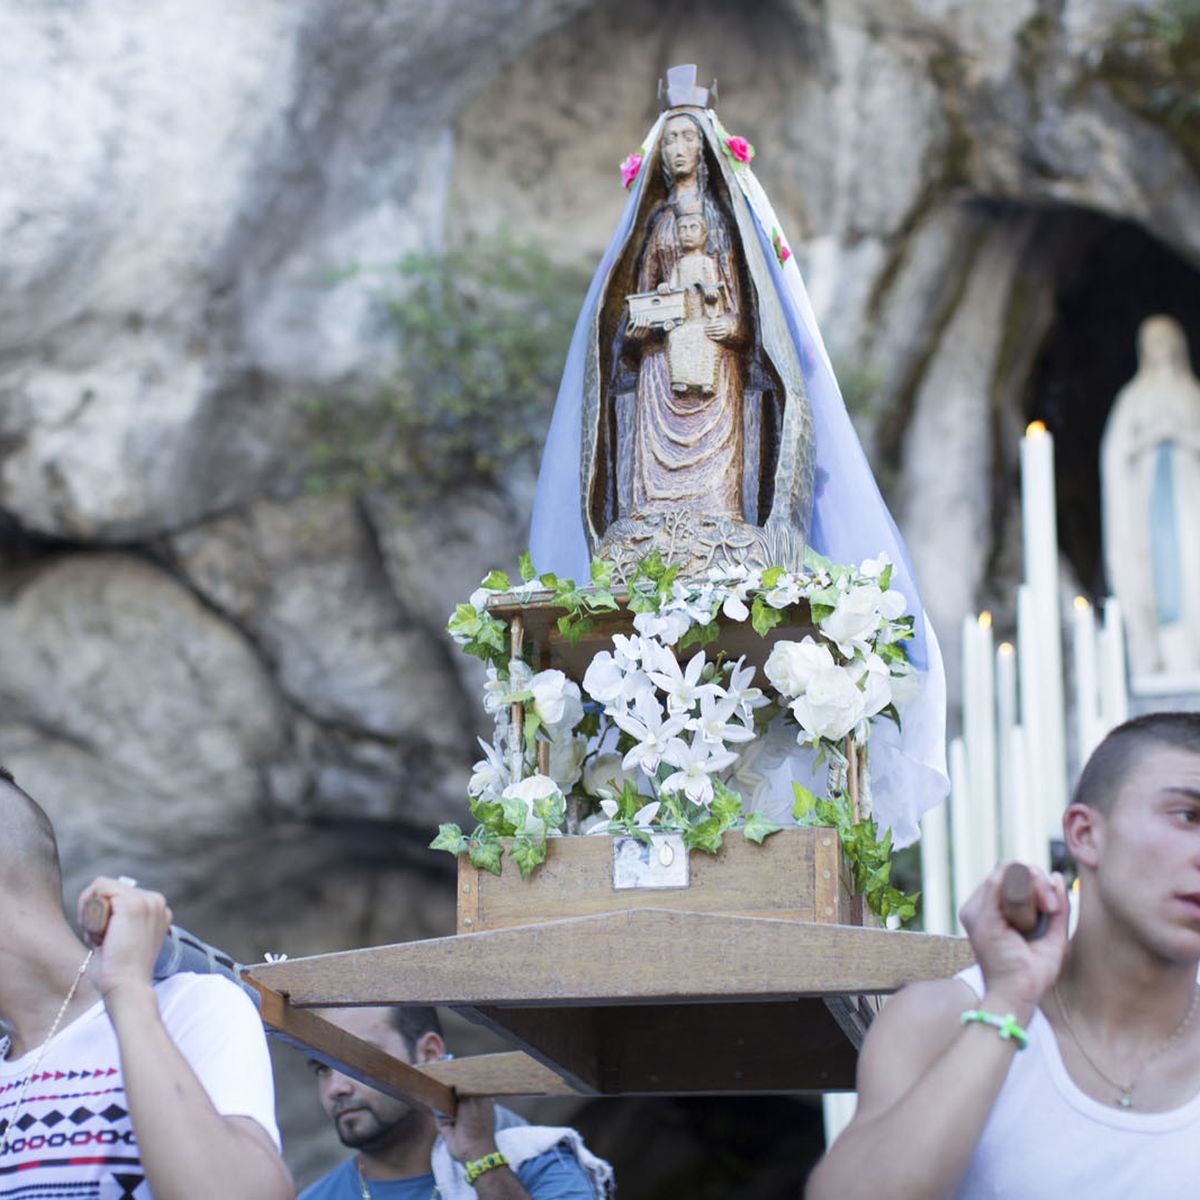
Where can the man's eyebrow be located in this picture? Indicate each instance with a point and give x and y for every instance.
(1182, 789)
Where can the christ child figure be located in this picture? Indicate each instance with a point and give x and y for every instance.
(692, 351)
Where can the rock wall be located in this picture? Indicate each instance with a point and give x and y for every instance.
(240, 692)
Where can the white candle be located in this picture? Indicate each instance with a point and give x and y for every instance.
(961, 826)
(1083, 644)
(1027, 845)
(1033, 708)
(937, 909)
(1114, 699)
(1006, 720)
(1039, 535)
(979, 733)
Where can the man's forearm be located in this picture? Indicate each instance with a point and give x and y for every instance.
(188, 1149)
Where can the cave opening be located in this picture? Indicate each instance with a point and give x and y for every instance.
(1110, 276)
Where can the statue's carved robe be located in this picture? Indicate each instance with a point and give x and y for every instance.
(687, 446)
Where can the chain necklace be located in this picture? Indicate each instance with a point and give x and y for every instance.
(1125, 1090)
(62, 1008)
(366, 1191)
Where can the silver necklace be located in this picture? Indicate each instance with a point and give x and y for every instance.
(1125, 1090)
(366, 1191)
(62, 1008)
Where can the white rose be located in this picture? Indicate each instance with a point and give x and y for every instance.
(555, 698)
(605, 771)
(872, 568)
(875, 680)
(856, 616)
(566, 760)
(831, 705)
(528, 792)
(536, 787)
(792, 664)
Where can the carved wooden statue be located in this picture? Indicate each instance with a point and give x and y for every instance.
(697, 437)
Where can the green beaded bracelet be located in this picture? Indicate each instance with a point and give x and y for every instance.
(478, 1166)
(1006, 1026)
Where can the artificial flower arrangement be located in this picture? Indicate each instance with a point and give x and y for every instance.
(661, 736)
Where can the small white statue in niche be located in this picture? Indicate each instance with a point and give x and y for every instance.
(1150, 486)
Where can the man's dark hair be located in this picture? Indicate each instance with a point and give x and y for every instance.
(412, 1022)
(1124, 749)
(28, 848)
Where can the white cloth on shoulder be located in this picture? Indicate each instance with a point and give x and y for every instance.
(519, 1144)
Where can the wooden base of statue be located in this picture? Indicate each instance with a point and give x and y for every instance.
(760, 976)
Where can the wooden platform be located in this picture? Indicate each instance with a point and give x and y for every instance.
(645, 1001)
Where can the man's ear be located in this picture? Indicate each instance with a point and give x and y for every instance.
(430, 1048)
(1083, 830)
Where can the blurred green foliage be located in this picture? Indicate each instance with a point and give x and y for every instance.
(481, 335)
(1153, 65)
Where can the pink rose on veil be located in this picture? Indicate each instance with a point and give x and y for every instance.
(629, 169)
(740, 149)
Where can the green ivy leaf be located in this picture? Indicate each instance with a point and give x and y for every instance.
(758, 827)
(497, 581)
(532, 724)
(549, 580)
(486, 856)
(764, 618)
(526, 567)
(551, 810)
(885, 578)
(805, 803)
(451, 839)
(602, 573)
(726, 805)
(703, 634)
(705, 835)
(771, 576)
(528, 853)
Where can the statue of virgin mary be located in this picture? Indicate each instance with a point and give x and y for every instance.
(747, 465)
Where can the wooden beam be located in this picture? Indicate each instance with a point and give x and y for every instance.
(331, 1044)
(644, 956)
(510, 1073)
(564, 1039)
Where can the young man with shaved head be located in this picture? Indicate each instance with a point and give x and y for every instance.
(403, 1151)
(1056, 1067)
(112, 1087)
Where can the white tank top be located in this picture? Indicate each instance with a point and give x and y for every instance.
(1045, 1139)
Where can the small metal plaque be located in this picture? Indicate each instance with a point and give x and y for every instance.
(661, 864)
(656, 307)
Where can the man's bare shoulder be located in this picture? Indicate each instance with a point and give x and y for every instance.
(914, 1028)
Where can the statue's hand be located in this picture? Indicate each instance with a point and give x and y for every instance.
(663, 288)
(637, 328)
(720, 330)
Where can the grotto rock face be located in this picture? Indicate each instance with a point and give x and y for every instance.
(240, 692)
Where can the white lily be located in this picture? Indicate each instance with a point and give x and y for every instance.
(682, 685)
(739, 687)
(490, 774)
(712, 723)
(696, 767)
(668, 627)
(652, 732)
